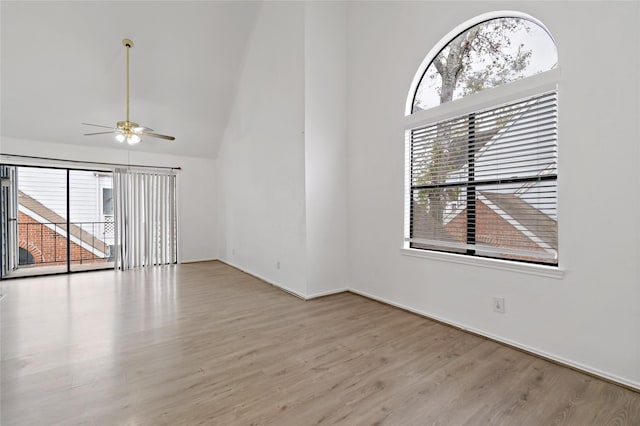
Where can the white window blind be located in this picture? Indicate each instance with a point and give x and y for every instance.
(485, 183)
(145, 219)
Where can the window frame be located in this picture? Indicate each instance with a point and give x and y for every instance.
(444, 41)
(106, 203)
(472, 103)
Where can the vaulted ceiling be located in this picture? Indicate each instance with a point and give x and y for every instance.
(63, 63)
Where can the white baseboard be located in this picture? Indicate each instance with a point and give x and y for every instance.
(546, 355)
(327, 293)
(197, 260)
(268, 281)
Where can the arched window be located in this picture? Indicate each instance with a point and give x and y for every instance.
(482, 143)
(486, 55)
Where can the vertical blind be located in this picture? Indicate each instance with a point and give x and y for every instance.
(145, 219)
(485, 183)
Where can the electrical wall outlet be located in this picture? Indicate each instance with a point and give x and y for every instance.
(278, 264)
(498, 305)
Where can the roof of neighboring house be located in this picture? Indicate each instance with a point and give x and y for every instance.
(50, 216)
(528, 216)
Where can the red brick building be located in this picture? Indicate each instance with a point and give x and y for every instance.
(42, 237)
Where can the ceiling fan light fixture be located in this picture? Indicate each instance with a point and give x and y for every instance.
(128, 130)
(133, 139)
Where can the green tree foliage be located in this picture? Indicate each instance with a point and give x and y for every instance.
(481, 57)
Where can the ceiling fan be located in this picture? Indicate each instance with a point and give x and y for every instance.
(128, 130)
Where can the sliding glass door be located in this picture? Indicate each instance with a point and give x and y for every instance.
(91, 219)
(55, 220)
(41, 220)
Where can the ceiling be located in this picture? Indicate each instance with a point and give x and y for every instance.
(63, 63)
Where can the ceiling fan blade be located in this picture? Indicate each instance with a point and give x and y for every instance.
(157, 135)
(141, 129)
(98, 125)
(100, 133)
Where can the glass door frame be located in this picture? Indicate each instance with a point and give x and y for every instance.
(68, 267)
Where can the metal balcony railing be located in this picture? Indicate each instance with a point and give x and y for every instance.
(47, 243)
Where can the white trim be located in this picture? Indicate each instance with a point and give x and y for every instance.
(285, 288)
(267, 280)
(407, 184)
(481, 247)
(198, 260)
(503, 265)
(491, 98)
(453, 34)
(327, 293)
(179, 224)
(516, 344)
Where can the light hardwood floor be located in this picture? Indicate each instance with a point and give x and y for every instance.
(205, 344)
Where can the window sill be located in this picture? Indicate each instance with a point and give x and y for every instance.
(503, 265)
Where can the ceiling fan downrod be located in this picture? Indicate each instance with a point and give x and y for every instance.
(128, 44)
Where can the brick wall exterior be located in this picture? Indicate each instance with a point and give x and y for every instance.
(492, 230)
(47, 246)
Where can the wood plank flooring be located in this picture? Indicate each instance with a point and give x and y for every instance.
(205, 344)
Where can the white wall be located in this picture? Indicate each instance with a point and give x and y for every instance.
(283, 162)
(196, 187)
(591, 317)
(326, 146)
(261, 159)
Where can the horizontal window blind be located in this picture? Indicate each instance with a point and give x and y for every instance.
(485, 183)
